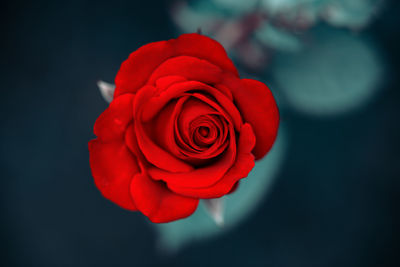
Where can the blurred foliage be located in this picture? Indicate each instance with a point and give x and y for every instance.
(340, 13)
(277, 38)
(238, 205)
(334, 73)
(346, 13)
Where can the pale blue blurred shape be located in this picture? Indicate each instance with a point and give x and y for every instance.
(351, 13)
(278, 6)
(189, 19)
(277, 39)
(238, 206)
(343, 13)
(335, 73)
(237, 6)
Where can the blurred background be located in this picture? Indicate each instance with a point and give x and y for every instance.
(327, 195)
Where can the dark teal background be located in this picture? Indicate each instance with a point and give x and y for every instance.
(335, 202)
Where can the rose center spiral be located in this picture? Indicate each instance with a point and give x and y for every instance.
(205, 131)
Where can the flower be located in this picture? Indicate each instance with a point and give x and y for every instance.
(182, 126)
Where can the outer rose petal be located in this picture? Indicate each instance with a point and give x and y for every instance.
(258, 107)
(164, 82)
(158, 203)
(153, 152)
(135, 71)
(147, 58)
(112, 123)
(113, 167)
(192, 68)
(201, 46)
(243, 165)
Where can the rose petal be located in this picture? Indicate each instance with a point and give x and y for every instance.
(191, 68)
(131, 143)
(191, 110)
(166, 122)
(205, 131)
(194, 112)
(153, 106)
(171, 132)
(166, 81)
(218, 145)
(240, 169)
(113, 167)
(153, 152)
(112, 123)
(258, 107)
(201, 46)
(136, 70)
(230, 112)
(157, 202)
(225, 90)
(201, 177)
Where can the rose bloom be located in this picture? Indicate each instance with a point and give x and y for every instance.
(182, 126)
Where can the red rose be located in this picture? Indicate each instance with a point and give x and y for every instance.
(182, 127)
